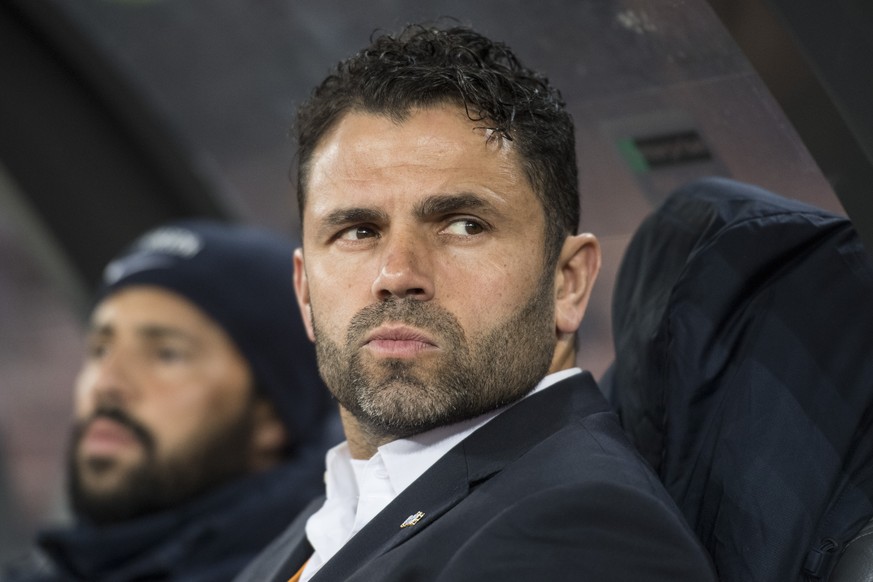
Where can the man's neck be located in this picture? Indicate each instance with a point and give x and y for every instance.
(564, 356)
(363, 443)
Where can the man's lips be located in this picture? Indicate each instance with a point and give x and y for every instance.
(105, 436)
(398, 341)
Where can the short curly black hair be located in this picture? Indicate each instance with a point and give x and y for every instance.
(424, 66)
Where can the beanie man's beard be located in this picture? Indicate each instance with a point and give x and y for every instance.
(155, 484)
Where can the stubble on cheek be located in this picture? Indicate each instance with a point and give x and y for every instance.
(396, 398)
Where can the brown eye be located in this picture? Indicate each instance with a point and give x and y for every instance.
(169, 355)
(358, 233)
(465, 227)
(95, 351)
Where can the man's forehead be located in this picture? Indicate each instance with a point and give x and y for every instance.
(366, 152)
(147, 310)
(423, 129)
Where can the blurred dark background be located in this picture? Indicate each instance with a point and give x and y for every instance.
(118, 114)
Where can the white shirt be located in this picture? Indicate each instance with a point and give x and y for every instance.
(357, 490)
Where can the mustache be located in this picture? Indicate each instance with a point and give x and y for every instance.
(412, 312)
(118, 415)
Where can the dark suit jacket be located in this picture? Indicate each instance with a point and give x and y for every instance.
(549, 490)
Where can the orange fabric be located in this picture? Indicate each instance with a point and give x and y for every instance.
(296, 577)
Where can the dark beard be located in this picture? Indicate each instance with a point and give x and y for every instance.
(401, 398)
(154, 485)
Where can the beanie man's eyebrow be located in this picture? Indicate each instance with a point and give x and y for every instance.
(148, 331)
(158, 332)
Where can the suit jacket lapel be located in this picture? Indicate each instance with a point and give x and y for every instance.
(478, 457)
(432, 494)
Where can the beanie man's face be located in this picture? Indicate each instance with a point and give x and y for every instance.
(164, 406)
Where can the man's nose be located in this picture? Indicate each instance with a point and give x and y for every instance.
(404, 270)
(110, 380)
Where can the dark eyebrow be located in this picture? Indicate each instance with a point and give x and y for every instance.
(432, 206)
(158, 332)
(154, 332)
(344, 216)
(443, 204)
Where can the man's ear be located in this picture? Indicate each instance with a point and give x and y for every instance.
(576, 271)
(269, 437)
(301, 290)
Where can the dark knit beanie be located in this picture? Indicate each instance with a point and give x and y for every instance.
(242, 277)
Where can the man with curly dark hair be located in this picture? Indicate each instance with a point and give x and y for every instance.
(443, 282)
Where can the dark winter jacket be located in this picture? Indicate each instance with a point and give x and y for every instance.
(743, 324)
(207, 540)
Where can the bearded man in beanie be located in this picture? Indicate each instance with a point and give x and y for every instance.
(200, 421)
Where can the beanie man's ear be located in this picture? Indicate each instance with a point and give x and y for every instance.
(270, 439)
